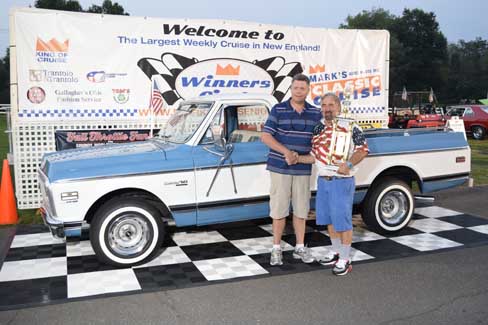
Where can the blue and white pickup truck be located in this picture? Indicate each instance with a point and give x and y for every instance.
(209, 166)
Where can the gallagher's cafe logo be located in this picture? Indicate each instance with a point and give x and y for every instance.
(52, 51)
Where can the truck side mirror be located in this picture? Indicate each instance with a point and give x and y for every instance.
(218, 137)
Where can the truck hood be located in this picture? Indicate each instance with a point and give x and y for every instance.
(150, 156)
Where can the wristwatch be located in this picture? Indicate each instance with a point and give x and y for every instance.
(349, 164)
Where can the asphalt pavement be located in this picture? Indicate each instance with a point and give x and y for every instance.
(438, 288)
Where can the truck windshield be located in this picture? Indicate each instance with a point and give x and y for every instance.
(184, 122)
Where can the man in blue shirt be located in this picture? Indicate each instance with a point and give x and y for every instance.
(288, 132)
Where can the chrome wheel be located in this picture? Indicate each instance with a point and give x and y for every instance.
(126, 231)
(129, 234)
(393, 207)
(478, 133)
(388, 206)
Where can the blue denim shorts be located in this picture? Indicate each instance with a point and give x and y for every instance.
(333, 204)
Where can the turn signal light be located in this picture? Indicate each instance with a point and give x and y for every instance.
(460, 159)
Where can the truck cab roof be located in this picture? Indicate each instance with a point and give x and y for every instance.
(223, 97)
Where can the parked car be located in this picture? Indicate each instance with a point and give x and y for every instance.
(475, 118)
(406, 118)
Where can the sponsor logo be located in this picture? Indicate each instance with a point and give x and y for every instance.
(52, 51)
(121, 95)
(177, 77)
(78, 96)
(57, 76)
(36, 95)
(36, 75)
(364, 83)
(102, 76)
(229, 70)
(316, 69)
(217, 76)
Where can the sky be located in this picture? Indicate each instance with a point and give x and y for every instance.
(458, 20)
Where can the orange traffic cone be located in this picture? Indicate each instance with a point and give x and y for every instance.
(8, 208)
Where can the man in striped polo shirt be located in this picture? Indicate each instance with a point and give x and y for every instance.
(288, 132)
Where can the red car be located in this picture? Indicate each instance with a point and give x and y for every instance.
(427, 121)
(475, 118)
(405, 118)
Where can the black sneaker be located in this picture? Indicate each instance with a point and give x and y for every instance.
(342, 267)
(329, 259)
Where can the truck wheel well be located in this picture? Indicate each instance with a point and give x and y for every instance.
(129, 192)
(406, 174)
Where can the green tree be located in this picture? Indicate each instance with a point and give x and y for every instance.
(379, 18)
(418, 50)
(425, 50)
(5, 79)
(108, 8)
(468, 70)
(70, 5)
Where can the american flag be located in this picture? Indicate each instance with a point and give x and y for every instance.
(404, 93)
(156, 98)
(431, 95)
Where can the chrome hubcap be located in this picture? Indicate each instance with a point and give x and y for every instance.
(394, 207)
(129, 234)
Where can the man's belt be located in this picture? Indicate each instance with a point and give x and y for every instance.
(329, 178)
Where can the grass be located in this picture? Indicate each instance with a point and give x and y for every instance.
(479, 168)
(479, 161)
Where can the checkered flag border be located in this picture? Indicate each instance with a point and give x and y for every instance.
(367, 110)
(78, 112)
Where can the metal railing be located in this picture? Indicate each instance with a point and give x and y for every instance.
(5, 110)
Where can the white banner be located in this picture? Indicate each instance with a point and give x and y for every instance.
(88, 66)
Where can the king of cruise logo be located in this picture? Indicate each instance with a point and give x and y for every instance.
(219, 76)
(52, 51)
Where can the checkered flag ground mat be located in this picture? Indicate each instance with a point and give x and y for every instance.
(39, 270)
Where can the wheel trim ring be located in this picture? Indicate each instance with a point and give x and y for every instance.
(399, 202)
(135, 259)
(115, 228)
(409, 215)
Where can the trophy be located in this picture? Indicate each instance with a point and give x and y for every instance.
(342, 126)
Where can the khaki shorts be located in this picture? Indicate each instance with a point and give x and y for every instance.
(286, 188)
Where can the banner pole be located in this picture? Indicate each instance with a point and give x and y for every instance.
(151, 109)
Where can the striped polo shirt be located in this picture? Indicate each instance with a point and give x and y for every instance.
(293, 130)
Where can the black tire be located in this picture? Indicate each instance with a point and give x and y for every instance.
(478, 132)
(388, 206)
(126, 231)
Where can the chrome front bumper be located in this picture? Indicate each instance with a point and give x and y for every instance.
(55, 226)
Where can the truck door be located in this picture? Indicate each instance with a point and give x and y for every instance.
(235, 187)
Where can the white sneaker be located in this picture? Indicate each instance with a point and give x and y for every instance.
(303, 253)
(276, 257)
